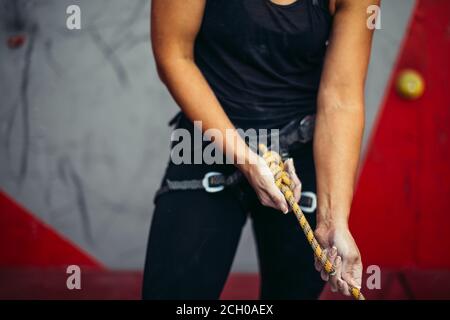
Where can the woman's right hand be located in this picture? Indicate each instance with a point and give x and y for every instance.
(261, 179)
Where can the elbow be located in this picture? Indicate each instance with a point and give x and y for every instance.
(162, 73)
(342, 106)
(341, 100)
(163, 67)
(170, 65)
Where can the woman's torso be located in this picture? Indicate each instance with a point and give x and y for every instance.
(263, 60)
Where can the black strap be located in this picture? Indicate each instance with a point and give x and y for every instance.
(225, 181)
(217, 181)
(198, 184)
(293, 135)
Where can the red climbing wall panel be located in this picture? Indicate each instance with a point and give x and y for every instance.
(401, 211)
(28, 242)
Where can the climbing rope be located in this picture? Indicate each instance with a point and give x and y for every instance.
(286, 185)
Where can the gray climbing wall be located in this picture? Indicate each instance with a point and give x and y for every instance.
(83, 119)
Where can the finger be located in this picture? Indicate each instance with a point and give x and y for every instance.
(298, 191)
(293, 175)
(323, 274)
(352, 273)
(343, 287)
(275, 203)
(334, 279)
(265, 200)
(289, 167)
(331, 255)
(278, 200)
(317, 265)
(345, 279)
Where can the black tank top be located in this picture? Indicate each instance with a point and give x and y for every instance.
(263, 60)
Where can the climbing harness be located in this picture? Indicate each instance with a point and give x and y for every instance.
(290, 137)
(214, 182)
(286, 186)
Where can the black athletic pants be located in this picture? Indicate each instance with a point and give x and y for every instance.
(194, 236)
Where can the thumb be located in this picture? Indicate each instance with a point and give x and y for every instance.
(293, 175)
(279, 200)
(352, 274)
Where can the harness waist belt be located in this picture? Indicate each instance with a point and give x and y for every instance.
(290, 137)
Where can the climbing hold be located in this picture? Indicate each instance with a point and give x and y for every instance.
(410, 84)
(16, 41)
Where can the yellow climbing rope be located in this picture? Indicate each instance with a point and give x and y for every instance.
(286, 185)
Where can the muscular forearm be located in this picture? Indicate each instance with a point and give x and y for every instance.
(337, 145)
(338, 135)
(195, 97)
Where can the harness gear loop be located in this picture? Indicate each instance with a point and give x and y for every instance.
(286, 186)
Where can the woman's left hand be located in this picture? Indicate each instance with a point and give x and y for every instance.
(343, 253)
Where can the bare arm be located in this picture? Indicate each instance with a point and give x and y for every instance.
(338, 134)
(175, 25)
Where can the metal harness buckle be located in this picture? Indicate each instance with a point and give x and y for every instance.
(205, 182)
(309, 199)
